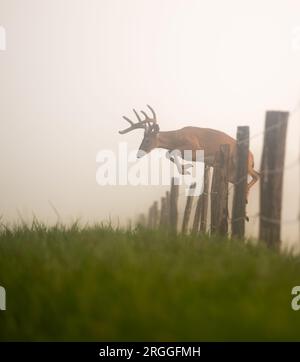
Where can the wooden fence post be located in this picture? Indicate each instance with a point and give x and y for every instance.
(219, 192)
(196, 222)
(174, 193)
(272, 178)
(205, 198)
(150, 217)
(168, 207)
(141, 221)
(240, 187)
(188, 209)
(163, 209)
(155, 215)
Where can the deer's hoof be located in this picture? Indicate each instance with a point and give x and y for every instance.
(247, 218)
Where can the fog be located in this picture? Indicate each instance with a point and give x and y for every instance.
(72, 68)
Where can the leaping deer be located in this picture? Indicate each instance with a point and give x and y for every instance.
(188, 138)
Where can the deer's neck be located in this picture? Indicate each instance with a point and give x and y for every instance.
(167, 140)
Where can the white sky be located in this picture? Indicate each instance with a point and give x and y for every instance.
(72, 68)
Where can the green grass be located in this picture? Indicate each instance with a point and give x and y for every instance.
(99, 284)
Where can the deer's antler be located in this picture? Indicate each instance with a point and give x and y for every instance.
(145, 124)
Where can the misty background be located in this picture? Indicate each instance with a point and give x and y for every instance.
(72, 68)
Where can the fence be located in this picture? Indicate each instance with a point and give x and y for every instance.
(215, 193)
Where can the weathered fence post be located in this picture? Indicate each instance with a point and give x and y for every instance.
(141, 221)
(188, 209)
(204, 201)
(155, 215)
(150, 217)
(163, 209)
(272, 177)
(240, 187)
(174, 193)
(168, 207)
(219, 192)
(196, 222)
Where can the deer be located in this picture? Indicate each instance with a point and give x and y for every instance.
(188, 138)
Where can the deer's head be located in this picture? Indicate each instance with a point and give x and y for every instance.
(151, 130)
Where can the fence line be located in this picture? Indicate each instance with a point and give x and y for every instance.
(290, 166)
(240, 188)
(219, 192)
(188, 209)
(271, 190)
(273, 157)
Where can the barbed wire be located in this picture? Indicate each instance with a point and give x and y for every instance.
(290, 166)
(256, 216)
(271, 128)
(264, 218)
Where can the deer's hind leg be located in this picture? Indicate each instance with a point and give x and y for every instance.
(251, 172)
(255, 177)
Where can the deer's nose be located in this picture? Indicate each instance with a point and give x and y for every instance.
(140, 153)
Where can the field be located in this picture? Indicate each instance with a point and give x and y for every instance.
(96, 283)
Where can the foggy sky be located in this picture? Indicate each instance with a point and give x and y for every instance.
(72, 68)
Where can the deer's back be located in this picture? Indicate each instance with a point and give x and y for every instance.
(208, 139)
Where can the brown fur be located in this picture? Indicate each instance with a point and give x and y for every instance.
(195, 138)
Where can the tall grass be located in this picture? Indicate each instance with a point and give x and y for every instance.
(96, 283)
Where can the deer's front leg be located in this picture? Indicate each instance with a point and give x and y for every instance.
(173, 156)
